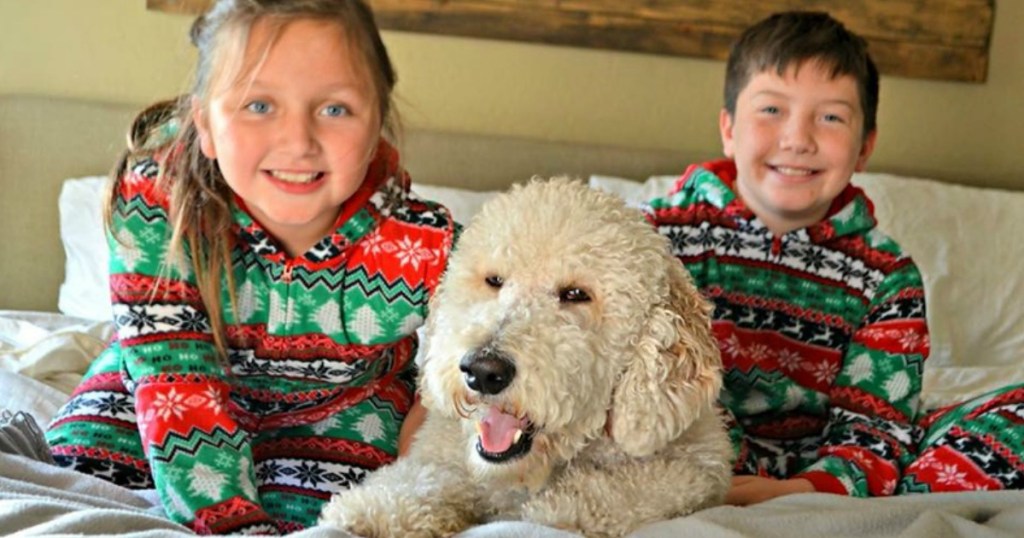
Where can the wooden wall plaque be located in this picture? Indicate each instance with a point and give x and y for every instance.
(931, 39)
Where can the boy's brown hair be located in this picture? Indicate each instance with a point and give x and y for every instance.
(795, 37)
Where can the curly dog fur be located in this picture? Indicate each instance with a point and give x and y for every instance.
(570, 376)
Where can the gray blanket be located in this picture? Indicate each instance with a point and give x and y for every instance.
(38, 499)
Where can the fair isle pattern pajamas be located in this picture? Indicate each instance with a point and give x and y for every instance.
(974, 445)
(320, 372)
(822, 333)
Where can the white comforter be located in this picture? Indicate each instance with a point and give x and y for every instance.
(43, 356)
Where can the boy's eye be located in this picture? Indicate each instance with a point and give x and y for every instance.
(770, 109)
(834, 118)
(335, 111)
(258, 107)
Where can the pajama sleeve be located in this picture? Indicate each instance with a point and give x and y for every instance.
(200, 459)
(871, 432)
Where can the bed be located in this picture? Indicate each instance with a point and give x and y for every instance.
(54, 312)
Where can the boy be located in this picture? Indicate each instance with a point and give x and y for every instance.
(819, 316)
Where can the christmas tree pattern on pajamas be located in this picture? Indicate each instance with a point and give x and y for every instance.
(319, 373)
(822, 333)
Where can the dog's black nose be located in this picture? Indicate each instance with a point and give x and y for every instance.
(487, 372)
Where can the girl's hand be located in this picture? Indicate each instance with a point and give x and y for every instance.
(413, 421)
(747, 490)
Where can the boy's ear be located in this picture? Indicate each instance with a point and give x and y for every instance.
(866, 149)
(725, 128)
(202, 123)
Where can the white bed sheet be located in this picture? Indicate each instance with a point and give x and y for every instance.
(43, 357)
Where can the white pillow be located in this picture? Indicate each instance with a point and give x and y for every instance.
(967, 243)
(464, 204)
(85, 292)
(635, 192)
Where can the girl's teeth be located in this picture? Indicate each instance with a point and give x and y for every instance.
(294, 177)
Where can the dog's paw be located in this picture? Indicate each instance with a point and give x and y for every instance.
(577, 512)
(351, 512)
(376, 513)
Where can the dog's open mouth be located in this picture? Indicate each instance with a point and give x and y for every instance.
(503, 437)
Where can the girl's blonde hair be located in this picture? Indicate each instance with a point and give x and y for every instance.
(200, 199)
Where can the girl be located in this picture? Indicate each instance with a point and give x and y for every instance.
(268, 271)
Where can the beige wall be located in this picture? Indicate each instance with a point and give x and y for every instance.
(114, 50)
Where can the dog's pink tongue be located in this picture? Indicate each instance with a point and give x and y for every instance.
(498, 430)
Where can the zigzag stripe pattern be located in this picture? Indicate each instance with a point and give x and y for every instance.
(752, 378)
(377, 285)
(359, 278)
(138, 206)
(338, 278)
(191, 442)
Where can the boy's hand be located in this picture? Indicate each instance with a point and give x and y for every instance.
(747, 490)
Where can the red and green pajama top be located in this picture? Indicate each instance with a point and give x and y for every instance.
(822, 333)
(319, 376)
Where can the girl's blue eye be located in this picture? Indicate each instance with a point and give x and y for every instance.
(335, 111)
(259, 107)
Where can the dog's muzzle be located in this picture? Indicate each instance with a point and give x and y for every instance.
(501, 436)
(487, 371)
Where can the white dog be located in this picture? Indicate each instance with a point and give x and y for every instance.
(570, 376)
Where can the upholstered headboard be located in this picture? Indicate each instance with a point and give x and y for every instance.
(44, 141)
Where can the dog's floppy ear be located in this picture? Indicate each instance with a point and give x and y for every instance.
(674, 375)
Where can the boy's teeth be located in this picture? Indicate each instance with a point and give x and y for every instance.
(294, 177)
(793, 171)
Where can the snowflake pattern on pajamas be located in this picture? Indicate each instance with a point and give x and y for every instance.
(319, 375)
(822, 333)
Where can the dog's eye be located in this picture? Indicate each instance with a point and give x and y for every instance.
(494, 281)
(573, 295)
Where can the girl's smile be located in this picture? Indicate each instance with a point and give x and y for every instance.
(295, 182)
(295, 131)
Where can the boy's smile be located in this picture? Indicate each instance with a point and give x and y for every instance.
(796, 139)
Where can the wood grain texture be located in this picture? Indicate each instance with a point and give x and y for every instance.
(932, 39)
(179, 6)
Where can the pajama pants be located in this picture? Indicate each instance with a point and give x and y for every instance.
(974, 445)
